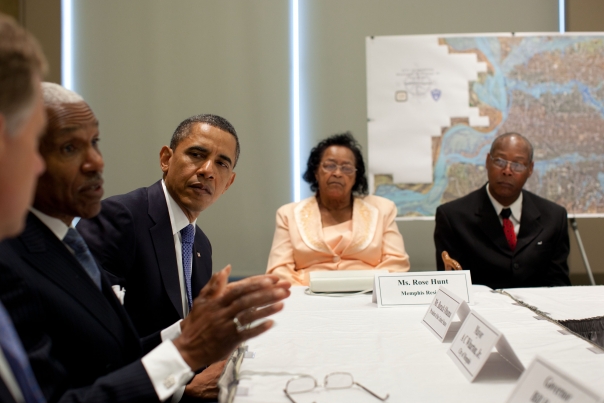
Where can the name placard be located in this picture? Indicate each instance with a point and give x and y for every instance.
(419, 288)
(442, 310)
(543, 382)
(473, 344)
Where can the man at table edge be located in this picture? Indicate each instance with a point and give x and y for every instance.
(22, 120)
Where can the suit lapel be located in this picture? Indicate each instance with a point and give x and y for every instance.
(200, 273)
(163, 242)
(364, 224)
(530, 223)
(134, 342)
(48, 255)
(489, 222)
(308, 221)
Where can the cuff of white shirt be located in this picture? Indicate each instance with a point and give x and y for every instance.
(171, 332)
(166, 369)
(178, 395)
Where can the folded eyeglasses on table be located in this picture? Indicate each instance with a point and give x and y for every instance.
(335, 380)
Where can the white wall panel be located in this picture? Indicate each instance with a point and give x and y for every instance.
(145, 65)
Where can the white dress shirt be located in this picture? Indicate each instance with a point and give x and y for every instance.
(167, 370)
(6, 374)
(178, 220)
(516, 208)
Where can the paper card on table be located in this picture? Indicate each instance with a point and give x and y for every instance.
(442, 310)
(419, 288)
(473, 344)
(504, 349)
(543, 382)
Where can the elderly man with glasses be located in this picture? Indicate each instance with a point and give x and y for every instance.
(506, 236)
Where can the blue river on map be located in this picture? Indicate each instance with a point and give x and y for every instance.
(462, 144)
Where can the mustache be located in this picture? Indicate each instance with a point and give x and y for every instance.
(93, 181)
(203, 186)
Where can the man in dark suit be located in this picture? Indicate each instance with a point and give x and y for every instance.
(22, 119)
(52, 287)
(507, 237)
(139, 237)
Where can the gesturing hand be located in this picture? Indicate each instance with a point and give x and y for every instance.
(209, 332)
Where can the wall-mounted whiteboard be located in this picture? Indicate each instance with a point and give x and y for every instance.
(436, 102)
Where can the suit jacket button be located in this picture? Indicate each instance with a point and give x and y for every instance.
(516, 266)
(336, 259)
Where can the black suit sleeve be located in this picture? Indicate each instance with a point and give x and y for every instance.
(148, 343)
(110, 237)
(20, 305)
(557, 272)
(128, 384)
(443, 238)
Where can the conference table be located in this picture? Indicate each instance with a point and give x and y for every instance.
(579, 309)
(390, 351)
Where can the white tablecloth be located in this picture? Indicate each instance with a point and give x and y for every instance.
(390, 351)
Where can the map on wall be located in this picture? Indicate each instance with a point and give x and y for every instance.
(435, 104)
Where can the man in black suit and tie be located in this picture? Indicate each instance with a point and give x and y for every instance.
(507, 237)
(139, 237)
(52, 287)
(22, 120)
(148, 239)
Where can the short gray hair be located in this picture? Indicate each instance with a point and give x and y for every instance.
(55, 94)
(21, 60)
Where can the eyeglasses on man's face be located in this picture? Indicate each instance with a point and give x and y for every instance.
(514, 166)
(335, 380)
(346, 169)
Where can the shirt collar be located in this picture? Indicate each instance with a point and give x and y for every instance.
(178, 219)
(516, 207)
(57, 226)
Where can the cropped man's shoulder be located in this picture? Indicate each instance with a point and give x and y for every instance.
(543, 203)
(132, 199)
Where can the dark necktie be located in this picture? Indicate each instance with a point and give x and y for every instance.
(188, 236)
(75, 241)
(508, 228)
(17, 360)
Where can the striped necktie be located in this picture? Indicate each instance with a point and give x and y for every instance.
(188, 237)
(75, 241)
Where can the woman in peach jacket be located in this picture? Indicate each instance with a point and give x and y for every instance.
(340, 228)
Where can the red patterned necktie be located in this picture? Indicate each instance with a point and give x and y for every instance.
(508, 228)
